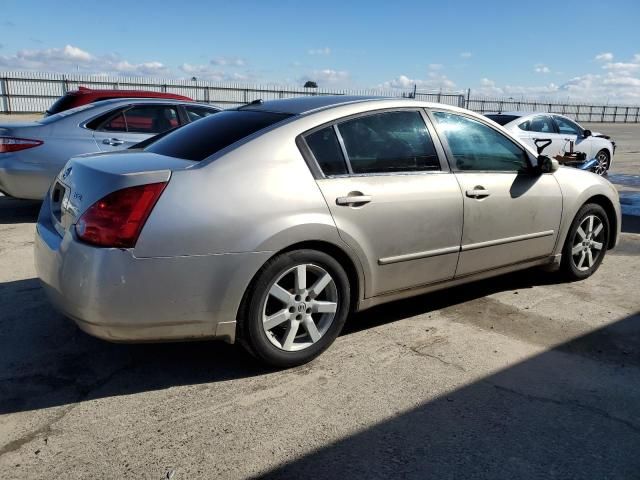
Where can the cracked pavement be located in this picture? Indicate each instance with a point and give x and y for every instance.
(521, 376)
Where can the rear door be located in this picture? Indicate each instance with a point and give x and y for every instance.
(391, 196)
(511, 214)
(132, 125)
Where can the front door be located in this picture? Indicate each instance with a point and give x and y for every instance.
(391, 198)
(511, 214)
(568, 132)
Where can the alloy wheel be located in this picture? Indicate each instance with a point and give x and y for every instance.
(300, 307)
(588, 242)
(602, 164)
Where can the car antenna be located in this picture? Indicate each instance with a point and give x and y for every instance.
(259, 101)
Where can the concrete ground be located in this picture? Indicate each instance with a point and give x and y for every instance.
(522, 376)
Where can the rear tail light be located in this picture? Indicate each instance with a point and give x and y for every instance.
(13, 144)
(117, 219)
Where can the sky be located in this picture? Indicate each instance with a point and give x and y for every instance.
(575, 50)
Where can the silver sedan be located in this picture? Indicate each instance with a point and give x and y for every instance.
(32, 154)
(269, 224)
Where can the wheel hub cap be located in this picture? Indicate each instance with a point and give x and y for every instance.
(300, 307)
(588, 243)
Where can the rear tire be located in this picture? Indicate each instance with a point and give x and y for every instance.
(586, 243)
(295, 308)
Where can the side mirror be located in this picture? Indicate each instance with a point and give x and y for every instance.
(547, 165)
(587, 133)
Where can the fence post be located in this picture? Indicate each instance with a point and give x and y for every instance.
(626, 114)
(615, 114)
(207, 95)
(163, 88)
(604, 109)
(7, 93)
(591, 113)
(637, 113)
(468, 96)
(578, 113)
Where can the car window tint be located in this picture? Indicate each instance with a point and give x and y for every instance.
(151, 118)
(327, 152)
(199, 140)
(196, 113)
(567, 127)
(389, 142)
(476, 146)
(541, 123)
(501, 119)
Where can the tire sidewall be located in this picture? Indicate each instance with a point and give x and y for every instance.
(253, 332)
(567, 259)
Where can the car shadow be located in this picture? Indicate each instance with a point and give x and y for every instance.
(47, 361)
(553, 415)
(13, 210)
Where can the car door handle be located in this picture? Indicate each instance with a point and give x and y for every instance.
(478, 192)
(112, 141)
(354, 198)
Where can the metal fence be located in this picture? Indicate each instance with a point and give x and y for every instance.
(34, 92)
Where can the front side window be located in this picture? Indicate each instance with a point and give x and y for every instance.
(478, 147)
(327, 152)
(389, 142)
(567, 127)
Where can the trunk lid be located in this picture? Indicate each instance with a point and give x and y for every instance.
(86, 179)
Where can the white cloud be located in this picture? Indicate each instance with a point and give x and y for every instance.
(541, 68)
(71, 58)
(319, 51)
(604, 57)
(229, 61)
(434, 81)
(466, 55)
(328, 76)
(205, 72)
(435, 66)
(622, 66)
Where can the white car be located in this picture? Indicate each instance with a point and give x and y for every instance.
(565, 140)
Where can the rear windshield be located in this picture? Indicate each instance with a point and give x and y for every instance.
(63, 103)
(502, 119)
(199, 140)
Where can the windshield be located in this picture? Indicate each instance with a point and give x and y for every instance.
(203, 138)
(502, 119)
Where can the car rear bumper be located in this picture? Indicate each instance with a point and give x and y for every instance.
(113, 295)
(25, 180)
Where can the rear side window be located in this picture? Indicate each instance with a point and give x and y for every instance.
(196, 113)
(541, 123)
(149, 119)
(199, 140)
(389, 142)
(327, 152)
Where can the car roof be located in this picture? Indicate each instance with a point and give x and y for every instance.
(139, 100)
(307, 104)
(83, 91)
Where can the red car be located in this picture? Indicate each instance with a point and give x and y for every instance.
(84, 95)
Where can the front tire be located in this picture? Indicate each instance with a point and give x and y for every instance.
(586, 243)
(295, 308)
(602, 167)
